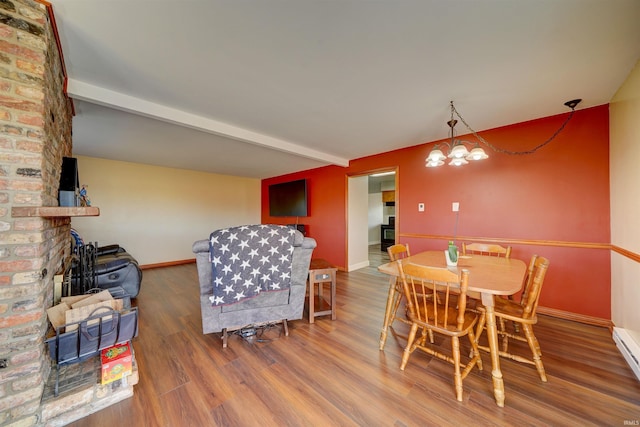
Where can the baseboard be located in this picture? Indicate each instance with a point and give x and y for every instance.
(629, 349)
(167, 264)
(358, 266)
(581, 318)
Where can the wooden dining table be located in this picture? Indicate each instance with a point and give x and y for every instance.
(488, 275)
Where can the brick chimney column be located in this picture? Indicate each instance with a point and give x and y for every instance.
(35, 133)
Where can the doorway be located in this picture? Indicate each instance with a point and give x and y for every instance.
(371, 213)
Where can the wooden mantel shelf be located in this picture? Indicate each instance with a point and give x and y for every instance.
(53, 211)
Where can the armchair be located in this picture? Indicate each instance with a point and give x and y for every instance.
(222, 313)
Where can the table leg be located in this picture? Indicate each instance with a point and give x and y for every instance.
(387, 312)
(312, 297)
(492, 336)
(333, 296)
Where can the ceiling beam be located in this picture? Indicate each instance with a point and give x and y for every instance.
(98, 95)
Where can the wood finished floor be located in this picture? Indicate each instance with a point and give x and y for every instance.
(331, 373)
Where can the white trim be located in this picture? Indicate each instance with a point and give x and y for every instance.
(629, 349)
(359, 265)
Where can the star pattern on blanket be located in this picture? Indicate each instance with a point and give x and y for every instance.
(248, 260)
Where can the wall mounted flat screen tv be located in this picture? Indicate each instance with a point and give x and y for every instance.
(288, 198)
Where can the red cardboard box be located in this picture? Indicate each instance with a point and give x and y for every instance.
(116, 362)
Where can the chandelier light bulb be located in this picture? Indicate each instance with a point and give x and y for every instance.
(431, 164)
(458, 151)
(436, 156)
(458, 161)
(477, 154)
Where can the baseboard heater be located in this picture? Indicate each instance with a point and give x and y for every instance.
(629, 349)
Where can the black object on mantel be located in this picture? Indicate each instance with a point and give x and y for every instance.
(68, 195)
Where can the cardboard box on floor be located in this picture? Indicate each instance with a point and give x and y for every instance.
(79, 307)
(116, 362)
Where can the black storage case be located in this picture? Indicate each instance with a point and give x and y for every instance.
(114, 267)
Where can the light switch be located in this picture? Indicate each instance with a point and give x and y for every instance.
(455, 206)
(420, 207)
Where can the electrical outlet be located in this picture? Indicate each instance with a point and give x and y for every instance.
(420, 207)
(455, 206)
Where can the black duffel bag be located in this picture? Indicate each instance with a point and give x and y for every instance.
(114, 267)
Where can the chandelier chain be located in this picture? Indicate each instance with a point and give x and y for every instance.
(504, 151)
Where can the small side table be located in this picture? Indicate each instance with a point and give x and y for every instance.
(321, 272)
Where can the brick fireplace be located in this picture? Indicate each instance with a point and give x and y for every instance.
(35, 133)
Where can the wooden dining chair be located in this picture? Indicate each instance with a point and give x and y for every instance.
(486, 249)
(522, 313)
(436, 302)
(398, 252)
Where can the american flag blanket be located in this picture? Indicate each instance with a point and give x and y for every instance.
(248, 260)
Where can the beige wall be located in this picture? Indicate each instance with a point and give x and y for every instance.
(625, 203)
(156, 213)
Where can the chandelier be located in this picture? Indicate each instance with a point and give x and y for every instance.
(459, 154)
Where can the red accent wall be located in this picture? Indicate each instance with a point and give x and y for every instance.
(559, 194)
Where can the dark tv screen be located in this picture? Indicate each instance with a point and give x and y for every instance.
(288, 198)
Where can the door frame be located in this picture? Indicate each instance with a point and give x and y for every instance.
(351, 220)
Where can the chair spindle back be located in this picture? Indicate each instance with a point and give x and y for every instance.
(436, 297)
(534, 280)
(486, 249)
(398, 251)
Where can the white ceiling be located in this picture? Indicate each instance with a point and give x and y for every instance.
(261, 88)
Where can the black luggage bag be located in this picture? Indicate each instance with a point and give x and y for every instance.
(114, 267)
